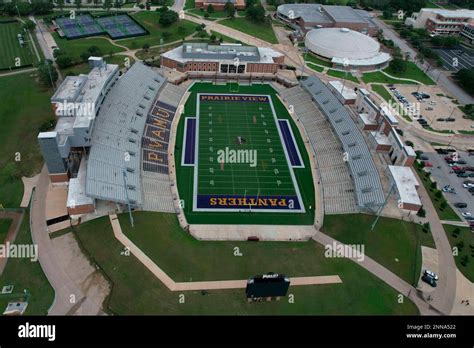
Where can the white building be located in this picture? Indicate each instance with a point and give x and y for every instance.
(406, 186)
(440, 21)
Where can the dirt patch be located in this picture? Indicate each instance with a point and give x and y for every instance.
(78, 267)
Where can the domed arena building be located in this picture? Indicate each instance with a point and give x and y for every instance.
(346, 49)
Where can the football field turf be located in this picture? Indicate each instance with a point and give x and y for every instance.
(241, 155)
(242, 158)
(10, 47)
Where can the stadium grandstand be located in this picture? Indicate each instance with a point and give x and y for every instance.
(368, 187)
(117, 151)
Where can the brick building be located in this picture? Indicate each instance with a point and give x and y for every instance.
(223, 58)
(441, 22)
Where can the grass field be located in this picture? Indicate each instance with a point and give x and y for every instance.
(412, 72)
(343, 75)
(260, 31)
(4, 227)
(10, 48)
(149, 19)
(313, 59)
(315, 67)
(270, 177)
(25, 274)
(22, 110)
(393, 243)
(466, 250)
(137, 291)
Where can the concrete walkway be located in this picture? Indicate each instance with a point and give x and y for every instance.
(62, 284)
(20, 71)
(400, 78)
(443, 296)
(384, 274)
(28, 185)
(204, 285)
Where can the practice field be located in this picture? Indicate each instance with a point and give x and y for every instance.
(14, 55)
(242, 154)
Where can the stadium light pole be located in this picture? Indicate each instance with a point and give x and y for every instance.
(128, 200)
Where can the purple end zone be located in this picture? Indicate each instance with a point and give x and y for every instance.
(247, 202)
(190, 141)
(289, 143)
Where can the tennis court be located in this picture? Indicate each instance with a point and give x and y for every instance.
(84, 25)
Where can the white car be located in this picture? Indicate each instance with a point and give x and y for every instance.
(467, 185)
(466, 214)
(431, 274)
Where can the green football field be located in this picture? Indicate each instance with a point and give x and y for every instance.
(243, 171)
(10, 48)
(241, 151)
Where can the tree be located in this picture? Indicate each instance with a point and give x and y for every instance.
(29, 25)
(465, 78)
(230, 9)
(107, 4)
(146, 47)
(256, 13)
(47, 72)
(206, 15)
(210, 9)
(166, 35)
(212, 38)
(60, 4)
(118, 4)
(167, 18)
(398, 65)
(64, 61)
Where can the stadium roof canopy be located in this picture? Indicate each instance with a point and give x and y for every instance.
(368, 187)
(116, 138)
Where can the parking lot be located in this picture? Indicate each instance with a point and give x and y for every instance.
(456, 59)
(434, 108)
(443, 174)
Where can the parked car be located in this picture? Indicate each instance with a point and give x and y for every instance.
(467, 185)
(460, 205)
(450, 119)
(424, 157)
(460, 161)
(462, 175)
(440, 119)
(431, 274)
(429, 280)
(466, 214)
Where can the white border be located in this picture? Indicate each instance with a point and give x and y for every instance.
(183, 154)
(294, 142)
(290, 167)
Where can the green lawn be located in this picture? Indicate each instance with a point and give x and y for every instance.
(343, 75)
(22, 110)
(260, 31)
(466, 237)
(149, 19)
(83, 68)
(214, 15)
(4, 227)
(25, 274)
(10, 49)
(444, 214)
(412, 72)
(313, 59)
(393, 243)
(75, 48)
(137, 291)
(185, 174)
(315, 67)
(189, 4)
(378, 77)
